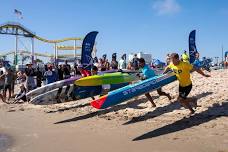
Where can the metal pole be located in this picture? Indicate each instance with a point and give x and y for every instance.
(75, 49)
(32, 53)
(16, 50)
(216, 58)
(56, 54)
(222, 54)
(22, 62)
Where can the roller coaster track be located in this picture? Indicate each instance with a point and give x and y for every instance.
(62, 47)
(13, 28)
(39, 54)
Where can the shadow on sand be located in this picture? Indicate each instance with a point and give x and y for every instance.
(162, 110)
(216, 111)
(132, 103)
(69, 108)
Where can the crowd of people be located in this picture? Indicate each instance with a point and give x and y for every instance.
(32, 78)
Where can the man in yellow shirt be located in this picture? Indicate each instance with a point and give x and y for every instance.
(182, 71)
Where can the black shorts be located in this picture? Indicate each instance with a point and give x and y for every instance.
(7, 86)
(1, 87)
(184, 91)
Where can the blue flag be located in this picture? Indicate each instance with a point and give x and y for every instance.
(192, 46)
(87, 48)
(226, 54)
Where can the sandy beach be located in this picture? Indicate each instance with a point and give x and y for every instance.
(131, 126)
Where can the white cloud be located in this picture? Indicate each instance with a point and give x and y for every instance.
(165, 7)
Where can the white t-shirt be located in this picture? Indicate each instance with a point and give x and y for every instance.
(122, 64)
(3, 70)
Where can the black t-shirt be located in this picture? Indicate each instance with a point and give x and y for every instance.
(39, 76)
(60, 74)
(135, 62)
(114, 64)
(30, 72)
(66, 69)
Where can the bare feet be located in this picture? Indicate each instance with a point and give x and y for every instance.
(170, 98)
(194, 102)
(191, 113)
(153, 104)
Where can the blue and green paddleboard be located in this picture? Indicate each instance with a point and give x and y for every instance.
(106, 78)
(120, 95)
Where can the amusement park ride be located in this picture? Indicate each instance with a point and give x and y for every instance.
(13, 28)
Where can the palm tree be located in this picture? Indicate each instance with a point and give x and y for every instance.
(38, 61)
(24, 58)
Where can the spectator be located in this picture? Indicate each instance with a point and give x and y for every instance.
(21, 77)
(83, 71)
(101, 65)
(30, 73)
(135, 62)
(96, 63)
(21, 95)
(66, 75)
(185, 57)
(122, 63)
(130, 66)
(8, 82)
(2, 68)
(2, 82)
(66, 70)
(60, 72)
(168, 59)
(39, 77)
(50, 75)
(107, 65)
(114, 63)
(13, 81)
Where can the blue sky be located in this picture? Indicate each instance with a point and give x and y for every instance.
(125, 26)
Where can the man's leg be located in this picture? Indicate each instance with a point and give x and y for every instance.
(2, 97)
(67, 89)
(12, 87)
(183, 93)
(148, 96)
(58, 95)
(66, 92)
(186, 104)
(9, 90)
(192, 101)
(4, 92)
(161, 93)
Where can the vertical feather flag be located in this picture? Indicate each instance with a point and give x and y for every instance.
(192, 46)
(87, 48)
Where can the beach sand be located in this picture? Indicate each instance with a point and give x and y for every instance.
(131, 126)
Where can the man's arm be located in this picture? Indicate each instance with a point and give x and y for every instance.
(1, 76)
(166, 69)
(198, 70)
